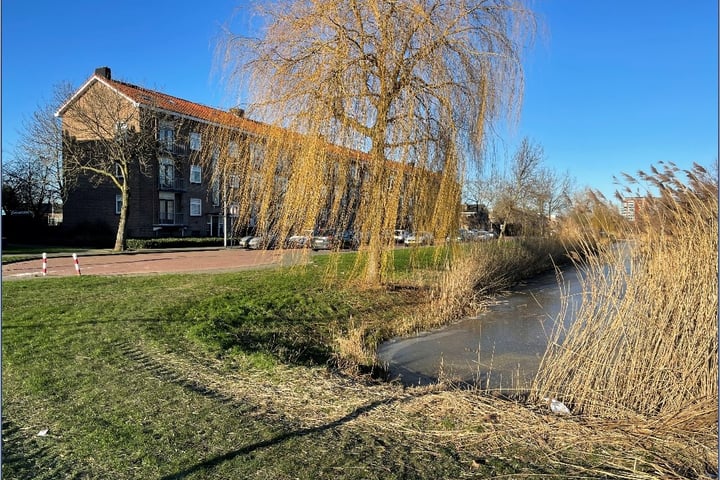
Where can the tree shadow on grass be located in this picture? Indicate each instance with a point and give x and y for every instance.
(80, 323)
(287, 346)
(218, 460)
(26, 456)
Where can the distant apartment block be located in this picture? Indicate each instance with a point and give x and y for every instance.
(632, 207)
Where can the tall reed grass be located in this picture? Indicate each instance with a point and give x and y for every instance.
(645, 340)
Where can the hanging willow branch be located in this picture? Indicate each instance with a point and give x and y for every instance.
(386, 100)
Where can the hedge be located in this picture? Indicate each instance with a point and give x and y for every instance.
(187, 242)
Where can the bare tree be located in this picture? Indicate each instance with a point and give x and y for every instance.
(554, 191)
(412, 83)
(529, 193)
(484, 188)
(516, 200)
(35, 171)
(104, 141)
(31, 181)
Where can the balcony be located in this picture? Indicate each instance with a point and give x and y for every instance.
(171, 219)
(171, 183)
(176, 149)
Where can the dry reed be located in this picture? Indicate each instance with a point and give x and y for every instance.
(644, 345)
(476, 273)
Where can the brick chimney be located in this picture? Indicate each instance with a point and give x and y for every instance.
(103, 72)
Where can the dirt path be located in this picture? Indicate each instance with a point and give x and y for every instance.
(151, 262)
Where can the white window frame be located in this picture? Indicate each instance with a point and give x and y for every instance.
(166, 135)
(118, 204)
(196, 207)
(233, 150)
(195, 174)
(166, 174)
(234, 181)
(168, 199)
(195, 141)
(121, 128)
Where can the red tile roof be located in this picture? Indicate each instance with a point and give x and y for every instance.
(161, 101)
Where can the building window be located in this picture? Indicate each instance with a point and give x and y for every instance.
(257, 155)
(195, 207)
(118, 204)
(118, 171)
(166, 135)
(121, 129)
(234, 181)
(233, 150)
(167, 173)
(195, 141)
(195, 174)
(167, 208)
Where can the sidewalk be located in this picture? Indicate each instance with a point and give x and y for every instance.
(212, 259)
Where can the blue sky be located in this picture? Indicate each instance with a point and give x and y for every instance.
(612, 86)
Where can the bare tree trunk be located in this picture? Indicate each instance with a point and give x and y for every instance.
(375, 211)
(120, 237)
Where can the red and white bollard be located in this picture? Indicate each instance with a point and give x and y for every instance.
(44, 267)
(77, 265)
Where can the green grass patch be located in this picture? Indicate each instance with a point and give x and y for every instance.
(76, 362)
(215, 376)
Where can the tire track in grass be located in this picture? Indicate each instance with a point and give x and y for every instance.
(166, 374)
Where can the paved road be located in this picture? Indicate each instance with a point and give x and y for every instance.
(151, 263)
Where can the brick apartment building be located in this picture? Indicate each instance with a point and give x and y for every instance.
(177, 195)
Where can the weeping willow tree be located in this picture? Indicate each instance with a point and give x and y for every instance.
(385, 99)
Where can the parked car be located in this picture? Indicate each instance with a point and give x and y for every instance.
(423, 238)
(262, 242)
(349, 240)
(322, 240)
(299, 241)
(485, 235)
(243, 242)
(400, 235)
(465, 235)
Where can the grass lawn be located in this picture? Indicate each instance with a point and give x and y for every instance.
(226, 376)
(188, 376)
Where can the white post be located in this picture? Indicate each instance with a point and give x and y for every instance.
(77, 265)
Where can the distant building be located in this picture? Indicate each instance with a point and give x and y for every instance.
(177, 196)
(632, 207)
(474, 216)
